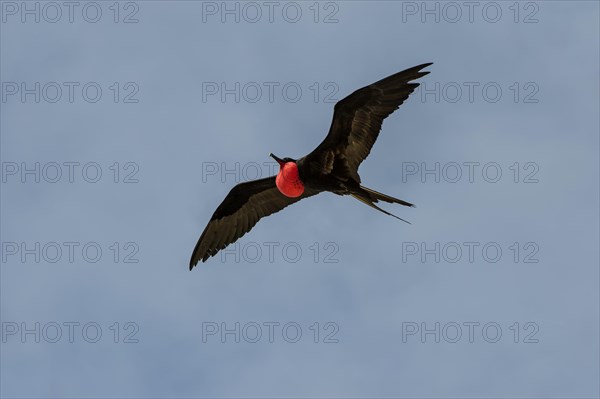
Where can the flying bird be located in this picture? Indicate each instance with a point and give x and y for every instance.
(332, 166)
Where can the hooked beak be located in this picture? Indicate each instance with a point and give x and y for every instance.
(279, 160)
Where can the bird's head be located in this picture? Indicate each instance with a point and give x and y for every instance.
(288, 179)
(283, 161)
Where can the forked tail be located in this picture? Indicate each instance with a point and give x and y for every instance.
(376, 195)
(370, 197)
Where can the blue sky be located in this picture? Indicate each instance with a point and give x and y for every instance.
(124, 126)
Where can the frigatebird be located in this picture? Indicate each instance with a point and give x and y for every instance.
(332, 166)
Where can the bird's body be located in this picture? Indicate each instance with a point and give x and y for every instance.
(332, 166)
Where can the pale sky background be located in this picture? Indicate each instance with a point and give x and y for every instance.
(544, 57)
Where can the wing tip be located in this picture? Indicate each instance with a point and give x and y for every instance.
(425, 65)
(196, 258)
(419, 72)
(403, 78)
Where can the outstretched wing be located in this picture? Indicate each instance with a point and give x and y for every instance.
(243, 207)
(357, 121)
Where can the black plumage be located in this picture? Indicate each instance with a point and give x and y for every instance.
(332, 166)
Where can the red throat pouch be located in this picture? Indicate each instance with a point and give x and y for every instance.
(288, 180)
